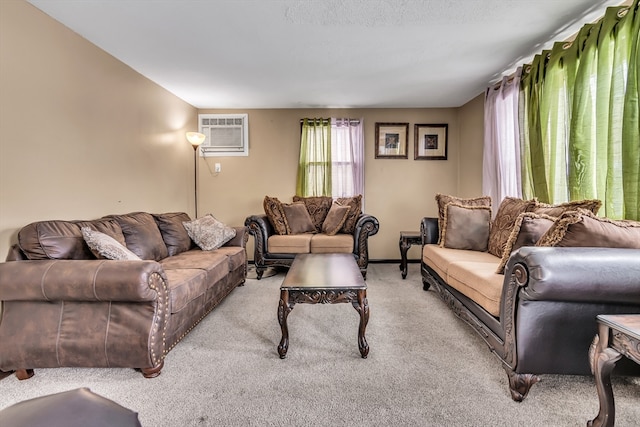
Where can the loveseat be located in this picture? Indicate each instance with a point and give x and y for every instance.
(65, 305)
(535, 305)
(310, 225)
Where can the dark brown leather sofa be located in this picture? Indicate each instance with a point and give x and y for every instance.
(264, 257)
(63, 307)
(550, 297)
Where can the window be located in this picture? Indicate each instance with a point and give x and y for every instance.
(331, 158)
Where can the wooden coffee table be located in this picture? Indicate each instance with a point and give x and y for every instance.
(323, 279)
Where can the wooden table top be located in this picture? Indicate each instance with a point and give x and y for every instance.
(324, 271)
(626, 323)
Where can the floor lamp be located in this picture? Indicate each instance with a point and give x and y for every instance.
(195, 139)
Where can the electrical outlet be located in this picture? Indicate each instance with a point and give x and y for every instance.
(217, 168)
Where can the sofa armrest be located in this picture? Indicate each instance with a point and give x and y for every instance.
(260, 228)
(82, 280)
(242, 235)
(602, 275)
(429, 230)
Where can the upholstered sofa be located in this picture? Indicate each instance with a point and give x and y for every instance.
(535, 306)
(310, 225)
(65, 305)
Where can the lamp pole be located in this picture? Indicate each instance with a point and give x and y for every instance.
(195, 139)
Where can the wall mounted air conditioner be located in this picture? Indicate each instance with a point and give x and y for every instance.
(227, 134)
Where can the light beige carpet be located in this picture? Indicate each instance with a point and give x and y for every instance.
(425, 368)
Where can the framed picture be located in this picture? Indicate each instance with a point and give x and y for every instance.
(430, 142)
(391, 140)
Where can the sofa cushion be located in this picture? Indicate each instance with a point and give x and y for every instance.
(527, 230)
(236, 254)
(442, 200)
(439, 258)
(53, 240)
(298, 218)
(592, 205)
(583, 228)
(466, 227)
(185, 285)
(110, 227)
(339, 243)
(318, 207)
(209, 233)
(291, 244)
(504, 220)
(355, 209)
(142, 235)
(478, 281)
(335, 219)
(105, 246)
(175, 236)
(275, 213)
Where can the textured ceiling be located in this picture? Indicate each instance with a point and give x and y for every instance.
(324, 53)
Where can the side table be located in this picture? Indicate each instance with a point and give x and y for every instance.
(618, 335)
(407, 238)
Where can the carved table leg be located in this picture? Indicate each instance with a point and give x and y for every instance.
(605, 359)
(362, 307)
(404, 247)
(284, 308)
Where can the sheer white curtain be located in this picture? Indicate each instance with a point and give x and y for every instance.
(347, 157)
(501, 174)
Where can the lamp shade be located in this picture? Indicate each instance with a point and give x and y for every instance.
(195, 138)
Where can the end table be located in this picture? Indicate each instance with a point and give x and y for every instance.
(618, 335)
(407, 238)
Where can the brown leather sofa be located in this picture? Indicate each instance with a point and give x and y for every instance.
(540, 316)
(64, 307)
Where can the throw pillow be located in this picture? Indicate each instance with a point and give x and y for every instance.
(466, 227)
(443, 200)
(355, 209)
(298, 218)
(504, 221)
(583, 228)
(318, 207)
(275, 213)
(527, 230)
(592, 205)
(174, 234)
(142, 235)
(335, 219)
(209, 233)
(105, 246)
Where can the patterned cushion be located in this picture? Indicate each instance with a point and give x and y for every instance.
(466, 227)
(275, 213)
(335, 219)
(318, 207)
(592, 205)
(104, 246)
(527, 230)
(443, 200)
(355, 209)
(174, 234)
(298, 218)
(504, 221)
(584, 229)
(209, 233)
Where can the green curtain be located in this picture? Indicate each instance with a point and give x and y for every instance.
(314, 166)
(579, 117)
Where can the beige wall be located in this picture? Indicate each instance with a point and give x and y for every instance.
(398, 192)
(81, 134)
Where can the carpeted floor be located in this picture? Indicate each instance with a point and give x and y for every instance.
(425, 368)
